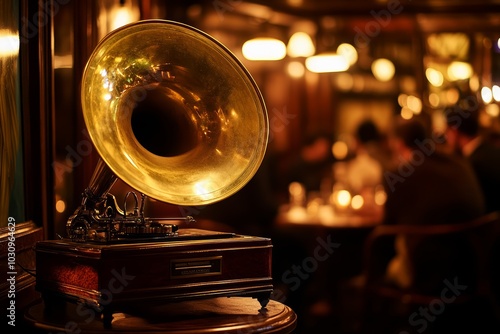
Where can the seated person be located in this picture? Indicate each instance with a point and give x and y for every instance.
(426, 188)
(463, 134)
(313, 165)
(365, 169)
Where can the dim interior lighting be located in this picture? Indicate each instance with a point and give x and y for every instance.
(459, 70)
(406, 113)
(474, 83)
(415, 104)
(264, 48)
(340, 150)
(296, 69)
(452, 95)
(295, 3)
(383, 69)
(409, 103)
(300, 45)
(9, 43)
(343, 198)
(65, 61)
(434, 77)
(357, 202)
(297, 193)
(434, 99)
(344, 81)
(380, 195)
(123, 15)
(486, 94)
(60, 206)
(496, 93)
(349, 52)
(492, 110)
(402, 100)
(327, 62)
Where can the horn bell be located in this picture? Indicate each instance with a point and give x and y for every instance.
(173, 113)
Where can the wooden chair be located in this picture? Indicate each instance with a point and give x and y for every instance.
(474, 245)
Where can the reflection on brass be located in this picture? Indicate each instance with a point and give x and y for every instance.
(176, 116)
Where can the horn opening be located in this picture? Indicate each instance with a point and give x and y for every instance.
(173, 113)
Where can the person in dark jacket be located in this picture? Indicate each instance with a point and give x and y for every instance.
(464, 135)
(427, 187)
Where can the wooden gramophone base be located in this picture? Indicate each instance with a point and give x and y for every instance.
(110, 278)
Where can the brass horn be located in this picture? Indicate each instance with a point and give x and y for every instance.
(173, 113)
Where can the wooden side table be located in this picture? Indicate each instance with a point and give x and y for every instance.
(223, 315)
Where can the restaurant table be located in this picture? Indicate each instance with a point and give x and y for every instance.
(215, 315)
(327, 216)
(314, 254)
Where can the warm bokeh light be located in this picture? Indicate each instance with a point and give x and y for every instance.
(300, 45)
(327, 62)
(459, 70)
(434, 99)
(297, 193)
(383, 69)
(264, 48)
(344, 81)
(295, 69)
(340, 150)
(486, 94)
(495, 90)
(60, 206)
(492, 109)
(411, 102)
(123, 15)
(406, 113)
(474, 83)
(402, 100)
(343, 198)
(452, 95)
(434, 77)
(357, 202)
(380, 195)
(414, 103)
(349, 52)
(296, 189)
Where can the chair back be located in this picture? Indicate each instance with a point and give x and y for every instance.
(460, 252)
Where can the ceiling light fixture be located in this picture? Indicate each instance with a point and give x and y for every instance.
(459, 70)
(326, 63)
(300, 45)
(349, 52)
(383, 69)
(264, 48)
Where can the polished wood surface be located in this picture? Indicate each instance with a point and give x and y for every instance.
(194, 265)
(215, 315)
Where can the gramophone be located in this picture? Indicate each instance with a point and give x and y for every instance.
(176, 116)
